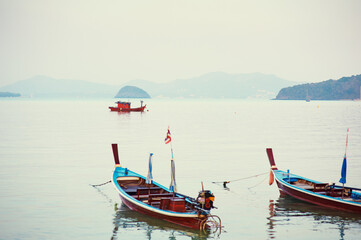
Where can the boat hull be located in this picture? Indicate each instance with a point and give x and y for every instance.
(192, 219)
(313, 197)
(190, 222)
(117, 109)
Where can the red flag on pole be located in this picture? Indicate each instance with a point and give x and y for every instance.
(168, 138)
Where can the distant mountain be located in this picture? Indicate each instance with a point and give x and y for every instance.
(42, 86)
(9, 94)
(217, 85)
(343, 88)
(132, 92)
(211, 85)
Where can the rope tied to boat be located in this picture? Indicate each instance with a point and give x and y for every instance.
(258, 183)
(212, 223)
(97, 185)
(239, 179)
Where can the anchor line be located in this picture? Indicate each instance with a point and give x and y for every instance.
(258, 183)
(97, 185)
(239, 179)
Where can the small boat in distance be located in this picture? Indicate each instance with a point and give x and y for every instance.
(125, 107)
(319, 193)
(148, 197)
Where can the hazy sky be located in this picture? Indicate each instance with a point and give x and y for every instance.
(114, 41)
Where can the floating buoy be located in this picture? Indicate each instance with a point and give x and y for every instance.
(271, 178)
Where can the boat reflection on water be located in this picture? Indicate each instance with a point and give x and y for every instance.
(126, 220)
(287, 211)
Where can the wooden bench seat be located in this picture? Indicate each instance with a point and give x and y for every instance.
(319, 187)
(158, 197)
(142, 192)
(335, 192)
(150, 190)
(153, 196)
(304, 186)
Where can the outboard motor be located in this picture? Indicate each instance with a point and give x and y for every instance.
(205, 199)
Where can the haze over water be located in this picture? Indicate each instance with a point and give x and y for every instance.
(52, 150)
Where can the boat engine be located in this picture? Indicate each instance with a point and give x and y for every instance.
(205, 199)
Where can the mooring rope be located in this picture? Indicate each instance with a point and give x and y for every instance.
(239, 179)
(258, 183)
(214, 223)
(97, 185)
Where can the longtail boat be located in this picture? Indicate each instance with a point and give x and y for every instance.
(125, 107)
(319, 193)
(148, 197)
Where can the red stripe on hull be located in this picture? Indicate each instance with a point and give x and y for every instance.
(184, 221)
(318, 200)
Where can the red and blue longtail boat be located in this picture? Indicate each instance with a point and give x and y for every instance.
(319, 193)
(146, 196)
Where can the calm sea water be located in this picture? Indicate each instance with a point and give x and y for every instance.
(52, 150)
